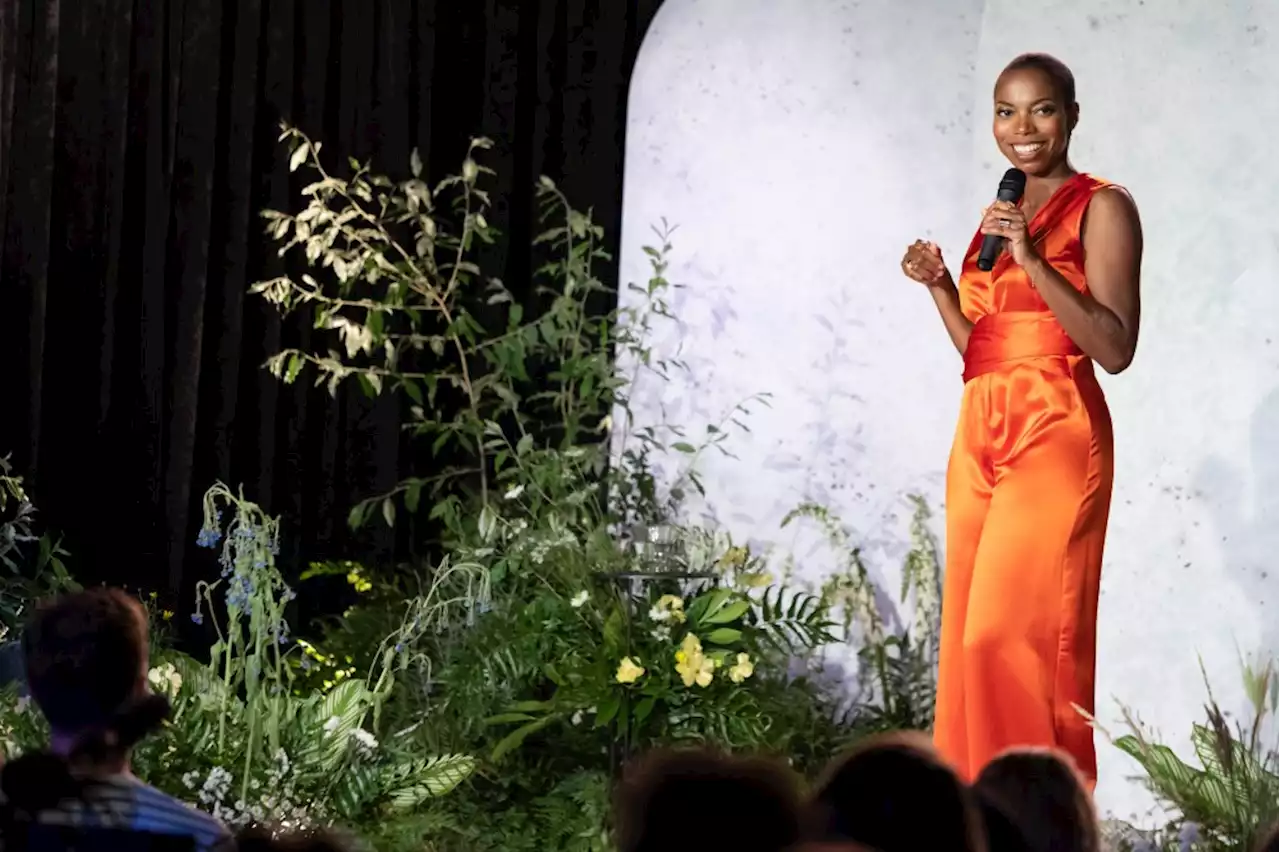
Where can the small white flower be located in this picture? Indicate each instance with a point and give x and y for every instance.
(656, 614)
(365, 741)
(661, 633)
(23, 703)
(513, 493)
(165, 679)
(332, 725)
(579, 599)
(576, 718)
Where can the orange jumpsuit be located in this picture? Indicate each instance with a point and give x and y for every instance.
(1028, 494)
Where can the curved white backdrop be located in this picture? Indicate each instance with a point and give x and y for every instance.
(799, 156)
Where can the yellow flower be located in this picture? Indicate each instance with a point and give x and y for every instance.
(757, 580)
(668, 607)
(167, 614)
(734, 557)
(629, 671)
(692, 665)
(359, 583)
(743, 669)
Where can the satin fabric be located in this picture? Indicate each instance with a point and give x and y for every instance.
(1028, 495)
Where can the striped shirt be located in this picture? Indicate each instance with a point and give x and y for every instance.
(124, 802)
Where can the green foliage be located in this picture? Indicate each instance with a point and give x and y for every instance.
(897, 672)
(595, 635)
(246, 741)
(1223, 804)
(34, 563)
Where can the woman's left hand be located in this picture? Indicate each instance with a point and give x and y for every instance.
(1003, 219)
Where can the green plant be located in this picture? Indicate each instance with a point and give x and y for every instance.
(244, 742)
(536, 470)
(897, 672)
(1223, 804)
(34, 562)
(677, 661)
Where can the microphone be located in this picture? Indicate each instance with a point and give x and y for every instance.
(1011, 187)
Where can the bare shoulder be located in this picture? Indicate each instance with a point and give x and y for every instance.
(1113, 213)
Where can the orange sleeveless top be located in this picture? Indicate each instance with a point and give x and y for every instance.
(1011, 321)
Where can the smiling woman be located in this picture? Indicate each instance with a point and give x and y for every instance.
(1029, 481)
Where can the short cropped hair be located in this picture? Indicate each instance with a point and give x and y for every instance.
(85, 653)
(1064, 82)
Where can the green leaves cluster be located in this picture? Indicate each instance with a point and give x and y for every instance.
(677, 661)
(1231, 797)
(33, 562)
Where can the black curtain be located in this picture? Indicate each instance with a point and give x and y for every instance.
(137, 146)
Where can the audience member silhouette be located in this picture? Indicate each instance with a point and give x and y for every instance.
(1046, 797)
(86, 657)
(893, 793)
(702, 801)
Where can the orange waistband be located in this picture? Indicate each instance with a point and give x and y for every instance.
(999, 338)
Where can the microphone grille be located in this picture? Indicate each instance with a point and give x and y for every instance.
(1014, 180)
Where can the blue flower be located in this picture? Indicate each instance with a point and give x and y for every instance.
(208, 538)
(1187, 836)
(197, 618)
(399, 647)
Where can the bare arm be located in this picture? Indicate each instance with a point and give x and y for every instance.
(947, 299)
(923, 262)
(1104, 323)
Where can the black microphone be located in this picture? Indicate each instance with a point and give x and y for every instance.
(1011, 187)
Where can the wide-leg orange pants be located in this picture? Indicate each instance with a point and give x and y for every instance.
(1028, 495)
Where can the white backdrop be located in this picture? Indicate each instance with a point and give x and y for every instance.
(800, 155)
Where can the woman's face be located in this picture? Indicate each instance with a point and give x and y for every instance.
(1031, 124)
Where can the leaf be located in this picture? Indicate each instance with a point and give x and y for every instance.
(707, 605)
(517, 737)
(724, 636)
(415, 163)
(358, 787)
(731, 612)
(299, 156)
(338, 715)
(508, 718)
(684, 447)
(487, 524)
(293, 368)
(389, 512)
(608, 709)
(533, 706)
(421, 780)
(411, 497)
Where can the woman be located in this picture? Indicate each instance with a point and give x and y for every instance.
(1029, 479)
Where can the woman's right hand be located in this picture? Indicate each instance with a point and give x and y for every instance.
(923, 263)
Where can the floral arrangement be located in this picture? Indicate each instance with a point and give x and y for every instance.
(679, 659)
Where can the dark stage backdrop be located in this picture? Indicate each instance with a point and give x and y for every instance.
(137, 146)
